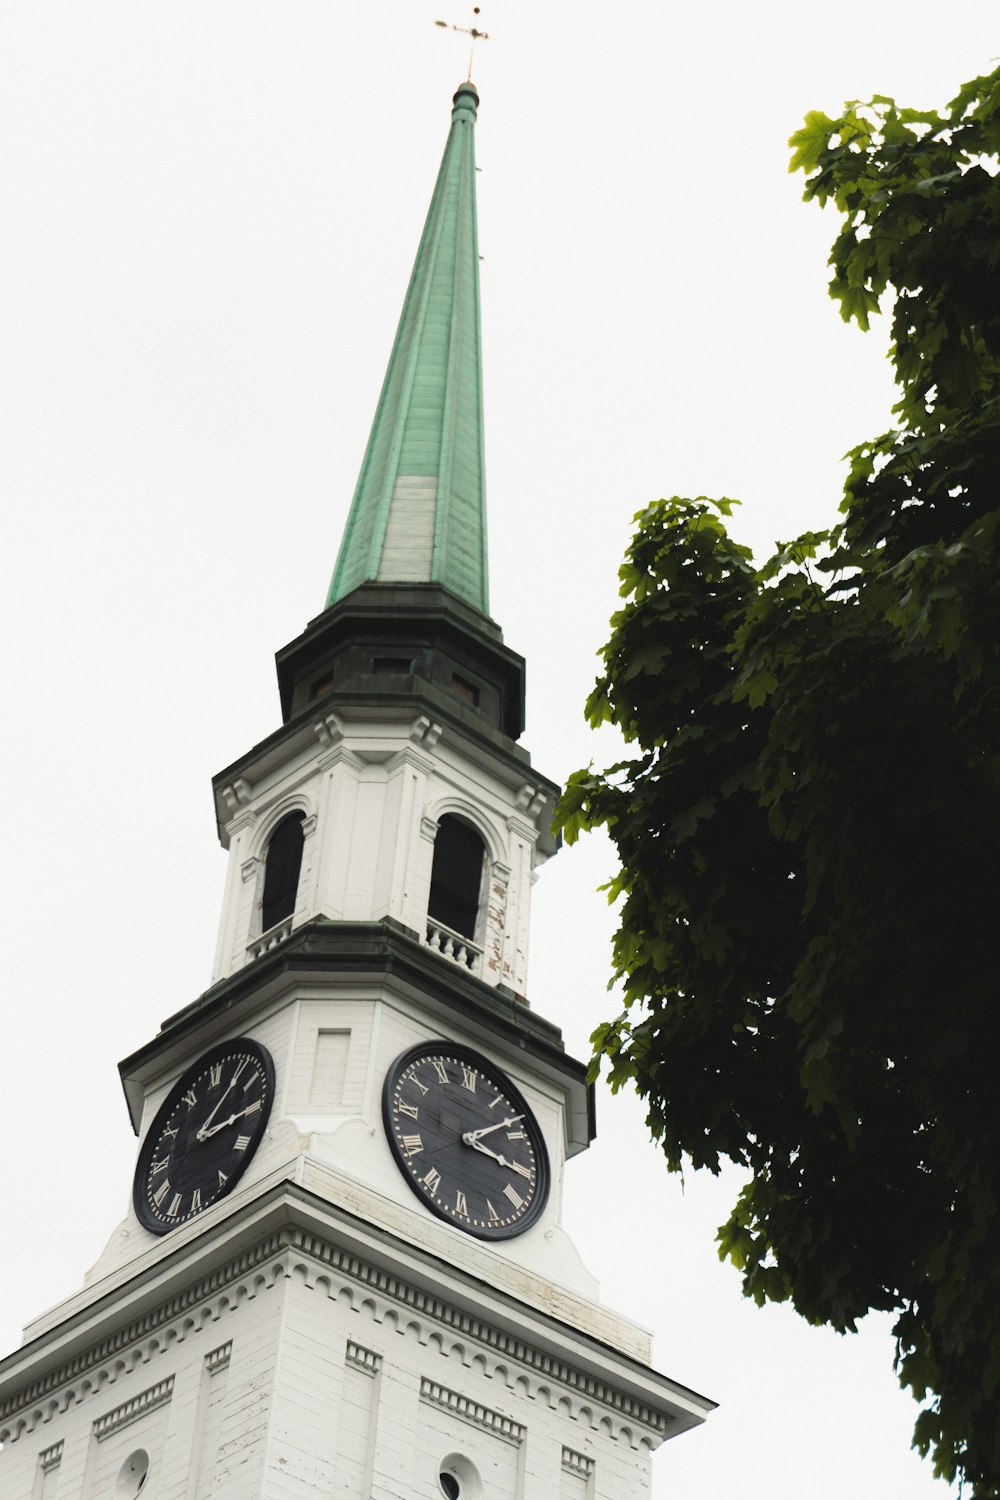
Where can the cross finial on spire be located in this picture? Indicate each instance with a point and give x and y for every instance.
(471, 31)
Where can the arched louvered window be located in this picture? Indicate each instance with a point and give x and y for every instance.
(282, 864)
(457, 876)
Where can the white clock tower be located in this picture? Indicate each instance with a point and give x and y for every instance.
(344, 1273)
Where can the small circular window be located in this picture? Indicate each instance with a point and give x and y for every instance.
(132, 1475)
(459, 1478)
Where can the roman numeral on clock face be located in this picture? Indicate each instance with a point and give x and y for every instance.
(413, 1144)
(469, 1079)
(461, 1206)
(161, 1192)
(215, 1074)
(440, 1069)
(409, 1109)
(242, 1142)
(431, 1180)
(512, 1193)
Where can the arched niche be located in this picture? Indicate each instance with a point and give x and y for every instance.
(457, 876)
(282, 866)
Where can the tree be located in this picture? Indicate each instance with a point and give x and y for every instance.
(808, 820)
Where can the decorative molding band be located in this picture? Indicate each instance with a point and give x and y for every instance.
(577, 1463)
(219, 1358)
(131, 1411)
(471, 1411)
(363, 1359)
(429, 829)
(465, 1323)
(153, 1321)
(288, 1252)
(50, 1458)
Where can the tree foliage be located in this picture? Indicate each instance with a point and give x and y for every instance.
(808, 820)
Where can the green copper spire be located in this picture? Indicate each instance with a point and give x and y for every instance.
(419, 510)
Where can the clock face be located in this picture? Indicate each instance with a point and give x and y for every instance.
(465, 1140)
(204, 1135)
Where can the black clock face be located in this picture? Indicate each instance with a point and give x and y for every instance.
(204, 1135)
(465, 1140)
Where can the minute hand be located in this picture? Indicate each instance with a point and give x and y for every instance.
(512, 1166)
(472, 1136)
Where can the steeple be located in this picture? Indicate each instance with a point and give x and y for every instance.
(419, 510)
(354, 1142)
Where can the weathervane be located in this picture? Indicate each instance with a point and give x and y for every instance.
(473, 31)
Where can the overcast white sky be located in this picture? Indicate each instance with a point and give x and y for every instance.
(210, 212)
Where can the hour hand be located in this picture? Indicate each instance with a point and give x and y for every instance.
(209, 1130)
(472, 1136)
(206, 1131)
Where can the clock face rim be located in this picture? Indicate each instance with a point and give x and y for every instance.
(485, 1066)
(231, 1047)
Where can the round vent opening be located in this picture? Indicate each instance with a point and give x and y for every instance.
(132, 1476)
(459, 1478)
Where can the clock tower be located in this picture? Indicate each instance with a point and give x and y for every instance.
(343, 1273)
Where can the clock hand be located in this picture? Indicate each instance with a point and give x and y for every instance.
(472, 1136)
(204, 1133)
(512, 1166)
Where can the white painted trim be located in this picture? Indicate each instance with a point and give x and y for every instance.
(131, 1411)
(467, 811)
(493, 1422)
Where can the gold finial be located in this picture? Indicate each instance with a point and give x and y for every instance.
(473, 31)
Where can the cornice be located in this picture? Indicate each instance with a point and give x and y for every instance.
(318, 1246)
(311, 731)
(134, 1343)
(381, 952)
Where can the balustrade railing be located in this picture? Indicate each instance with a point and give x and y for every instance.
(272, 938)
(461, 950)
